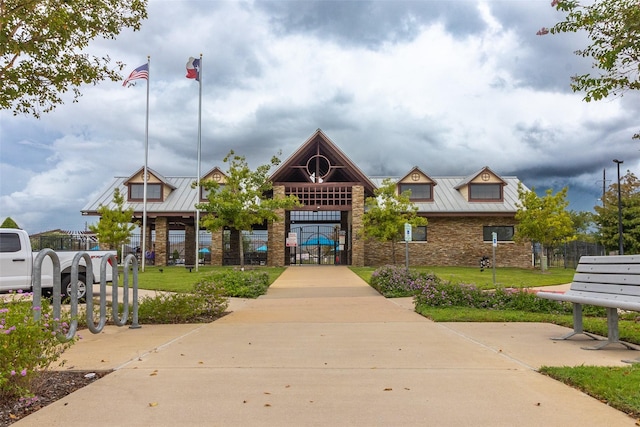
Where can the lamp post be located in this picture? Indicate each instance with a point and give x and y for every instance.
(620, 248)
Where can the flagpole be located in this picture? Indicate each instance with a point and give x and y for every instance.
(143, 251)
(198, 176)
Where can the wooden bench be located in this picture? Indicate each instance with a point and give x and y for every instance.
(612, 282)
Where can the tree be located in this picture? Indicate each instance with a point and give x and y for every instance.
(607, 215)
(9, 223)
(41, 43)
(387, 212)
(614, 29)
(114, 227)
(243, 200)
(543, 219)
(583, 225)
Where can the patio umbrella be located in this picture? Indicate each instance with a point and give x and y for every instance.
(204, 251)
(315, 241)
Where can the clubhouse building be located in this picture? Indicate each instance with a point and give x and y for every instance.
(463, 213)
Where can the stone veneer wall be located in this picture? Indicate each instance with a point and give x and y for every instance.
(276, 234)
(162, 240)
(217, 247)
(453, 241)
(189, 245)
(358, 248)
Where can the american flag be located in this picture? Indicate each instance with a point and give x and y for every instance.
(142, 72)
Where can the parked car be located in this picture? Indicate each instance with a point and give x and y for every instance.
(17, 262)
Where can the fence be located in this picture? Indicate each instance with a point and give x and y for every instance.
(64, 242)
(568, 255)
(254, 247)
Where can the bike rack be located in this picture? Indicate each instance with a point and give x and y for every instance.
(129, 262)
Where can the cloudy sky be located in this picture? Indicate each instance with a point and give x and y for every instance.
(446, 85)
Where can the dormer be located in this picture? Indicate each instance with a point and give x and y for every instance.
(485, 186)
(419, 184)
(158, 188)
(216, 175)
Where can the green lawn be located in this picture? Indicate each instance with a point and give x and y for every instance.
(505, 276)
(179, 279)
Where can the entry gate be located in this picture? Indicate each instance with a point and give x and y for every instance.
(317, 244)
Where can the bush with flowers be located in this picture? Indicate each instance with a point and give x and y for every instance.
(27, 347)
(429, 290)
(441, 293)
(394, 282)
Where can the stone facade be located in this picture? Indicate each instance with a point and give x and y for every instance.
(217, 241)
(453, 241)
(276, 234)
(162, 240)
(190, 245)
(358, 249)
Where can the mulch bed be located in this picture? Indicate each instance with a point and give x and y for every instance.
(52, 386)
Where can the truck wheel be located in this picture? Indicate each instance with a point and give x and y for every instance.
(66, 287)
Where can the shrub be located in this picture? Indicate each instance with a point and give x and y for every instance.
(205, 303)
(242, 284)
(394, 282)
(447, 294)
(27, 347)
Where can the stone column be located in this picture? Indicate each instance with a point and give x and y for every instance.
(162, 240)
(189, 245)
(276, 232)
(217, 243)
(357, 238)
(234, 247)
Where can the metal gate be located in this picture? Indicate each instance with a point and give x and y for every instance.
(317, 245)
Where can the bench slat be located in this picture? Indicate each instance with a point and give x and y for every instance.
(621, 279)
(592, 298)
(630, 290)
(609, 268)
(610, 259)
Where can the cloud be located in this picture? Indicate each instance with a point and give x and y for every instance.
(446, 86)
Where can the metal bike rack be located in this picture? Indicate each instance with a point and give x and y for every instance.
(130, 262)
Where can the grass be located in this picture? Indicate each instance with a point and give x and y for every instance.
(179, 279)
(614, 386)
(505, 276)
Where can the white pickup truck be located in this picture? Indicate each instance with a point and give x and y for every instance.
(16, 266)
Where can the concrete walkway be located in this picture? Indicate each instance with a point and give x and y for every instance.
(324, 349)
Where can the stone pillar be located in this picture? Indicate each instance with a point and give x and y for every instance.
(217, 243)
(234, 247)
(357, 238)
(162, 240)
(189, 245)
(276, 232)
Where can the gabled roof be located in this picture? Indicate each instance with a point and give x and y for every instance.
(320, 160)
(473, 176)
(448, 200)
(213, 173)
(181, 199)
(150, 172)
(417, 170)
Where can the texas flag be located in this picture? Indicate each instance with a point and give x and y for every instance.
(193, 68)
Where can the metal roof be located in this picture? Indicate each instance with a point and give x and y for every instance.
(447, 199)
(181, 199)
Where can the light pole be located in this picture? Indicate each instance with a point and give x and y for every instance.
(620, 248)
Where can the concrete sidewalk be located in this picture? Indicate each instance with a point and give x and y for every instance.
(323, 348)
